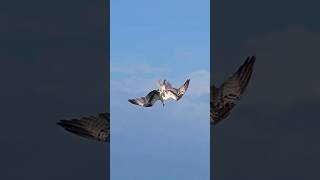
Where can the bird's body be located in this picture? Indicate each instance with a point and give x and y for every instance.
(165, 92)
(167, 95)
(224, 98)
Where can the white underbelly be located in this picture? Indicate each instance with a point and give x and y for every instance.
(168, 94)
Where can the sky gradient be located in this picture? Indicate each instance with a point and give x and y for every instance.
(152, 41)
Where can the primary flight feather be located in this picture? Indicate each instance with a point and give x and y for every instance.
(224, 98)
(92, 127)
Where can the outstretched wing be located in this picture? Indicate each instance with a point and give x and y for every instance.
(183, 89)
(167, 84)
(177, 94)
(223, 99)
(147, 101)
(97, 128)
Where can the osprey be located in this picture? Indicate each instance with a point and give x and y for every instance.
(224, 98)
(164, 92)
(97, 128)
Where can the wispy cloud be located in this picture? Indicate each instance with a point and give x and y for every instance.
(199, 83)
(135, 83)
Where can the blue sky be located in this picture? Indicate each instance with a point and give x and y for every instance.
(152, 40)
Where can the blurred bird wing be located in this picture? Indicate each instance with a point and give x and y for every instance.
(97, 128)
(223, 99)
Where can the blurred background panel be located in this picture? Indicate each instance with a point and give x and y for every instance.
(53, 66)
(273, 132)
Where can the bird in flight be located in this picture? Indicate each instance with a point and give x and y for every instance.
(92, 127)
(164, 92)
(224, 98)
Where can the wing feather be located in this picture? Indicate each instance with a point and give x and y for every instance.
(183, 89)
(177, 94)
(223, 99)
(148, 100)
(97, 128)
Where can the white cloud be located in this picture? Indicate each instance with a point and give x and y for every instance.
(135, 83)
(199, 83)
(193, 108)
(190, 108)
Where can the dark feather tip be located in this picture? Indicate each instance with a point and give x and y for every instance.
(132, 101)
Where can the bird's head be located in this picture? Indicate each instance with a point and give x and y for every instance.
(163, 102)
(160, 82)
